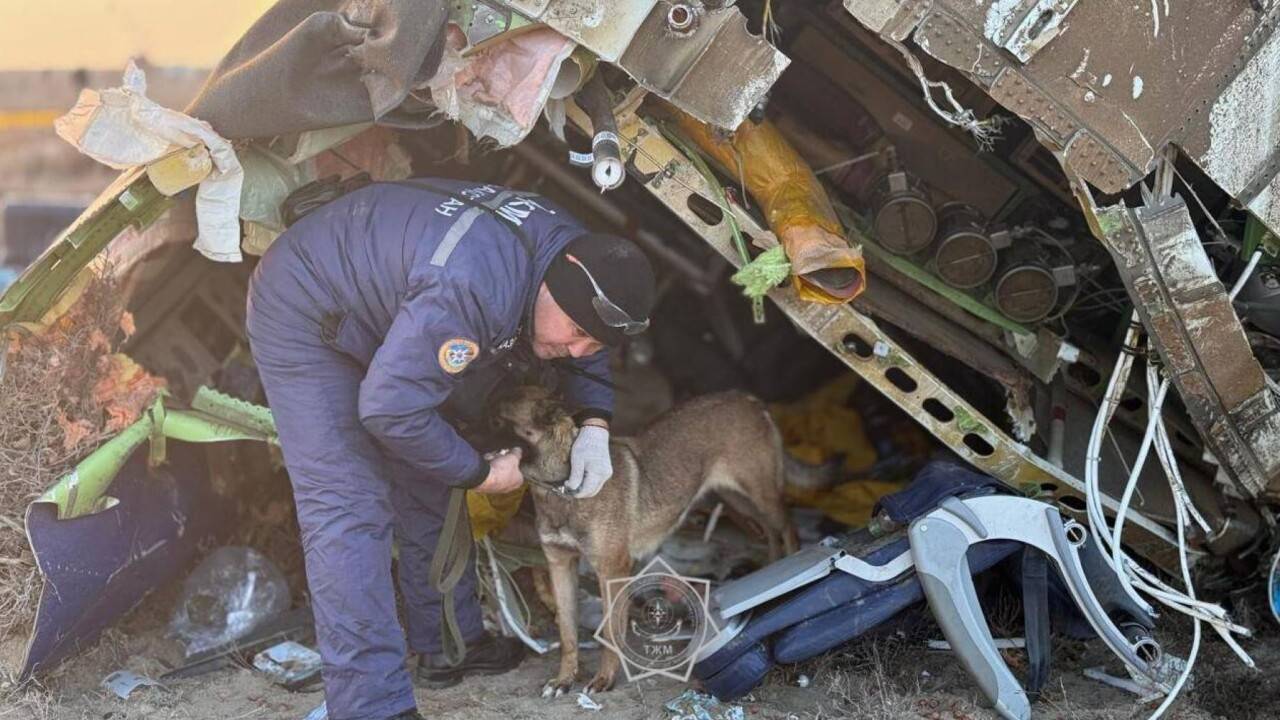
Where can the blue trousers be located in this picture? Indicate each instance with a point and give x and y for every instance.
(352, 498)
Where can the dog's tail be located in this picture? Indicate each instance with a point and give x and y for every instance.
(779, 450)
(786, 541)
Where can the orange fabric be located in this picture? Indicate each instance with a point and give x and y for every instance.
(795, 204)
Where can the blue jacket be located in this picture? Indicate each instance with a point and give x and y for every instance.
(420, 288)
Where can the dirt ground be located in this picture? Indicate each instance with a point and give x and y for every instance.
(890, 677)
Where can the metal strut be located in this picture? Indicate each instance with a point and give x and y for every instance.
(858, 342)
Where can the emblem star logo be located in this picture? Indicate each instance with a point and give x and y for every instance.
(657, 621)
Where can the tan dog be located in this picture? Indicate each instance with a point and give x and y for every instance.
(724, 443)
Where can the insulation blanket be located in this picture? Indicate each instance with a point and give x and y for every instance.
(499, 92)
(122, 128)
(316, 64)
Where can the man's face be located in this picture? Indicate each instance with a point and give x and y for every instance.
(555, 335)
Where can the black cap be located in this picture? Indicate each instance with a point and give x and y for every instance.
(620, 269)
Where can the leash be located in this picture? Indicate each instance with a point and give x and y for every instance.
(453, 549)
(448, 563)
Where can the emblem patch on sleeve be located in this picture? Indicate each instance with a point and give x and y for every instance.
(457, 354)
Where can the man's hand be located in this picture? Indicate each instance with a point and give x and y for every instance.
(504, 474)
(589, 463)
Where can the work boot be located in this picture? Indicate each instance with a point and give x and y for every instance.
(490, 655)
(408, 715)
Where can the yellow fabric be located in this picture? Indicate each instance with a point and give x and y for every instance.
(849, 503)
(822, 425)
(491, 513)
(794, 202)
(818, 428)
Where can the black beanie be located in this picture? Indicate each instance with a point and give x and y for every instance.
(619, 268)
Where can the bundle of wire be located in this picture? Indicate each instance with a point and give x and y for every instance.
(1139, 579)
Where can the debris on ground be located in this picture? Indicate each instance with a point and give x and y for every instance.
(295, 625)
(123, 682)
(231, 592)
(289, 664)
(693, 705)
(999, 644)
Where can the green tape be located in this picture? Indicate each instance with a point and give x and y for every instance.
(761, 275)
(722, 200)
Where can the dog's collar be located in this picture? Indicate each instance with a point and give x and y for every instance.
(556, 488)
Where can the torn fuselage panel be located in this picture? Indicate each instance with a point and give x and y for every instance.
(701, 59)
(1115, 83)
(1191, 323)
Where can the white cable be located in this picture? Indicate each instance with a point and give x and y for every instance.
(1191, 593)
(1244, 276)
(517, 624)
(1153, 419)
(985, 132)
(1137, 577)
(1169, 461)
(1093, 454)
(1166, 595)
(1110, 543)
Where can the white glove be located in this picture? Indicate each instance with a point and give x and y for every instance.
(589, 463)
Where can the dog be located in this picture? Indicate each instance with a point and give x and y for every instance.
(724, 443)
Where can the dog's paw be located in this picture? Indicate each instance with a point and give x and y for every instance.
(555, 687)
(600, 683)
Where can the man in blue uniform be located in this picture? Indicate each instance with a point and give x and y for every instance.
(370, 320)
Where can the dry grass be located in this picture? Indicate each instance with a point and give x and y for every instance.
(877, 679)
(63, 391)
(894, 677)
(30, 701)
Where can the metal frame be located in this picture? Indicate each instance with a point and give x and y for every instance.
(858, 342)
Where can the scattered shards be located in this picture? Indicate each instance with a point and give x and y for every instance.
(122, 683)
(1168, 667)
(295, 624)
(289, 664)
(693, 705)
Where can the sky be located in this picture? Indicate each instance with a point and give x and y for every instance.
(104, 34)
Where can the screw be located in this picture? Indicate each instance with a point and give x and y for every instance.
(680, 18)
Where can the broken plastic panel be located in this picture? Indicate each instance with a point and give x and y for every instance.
(219, 418)
(153, 530)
